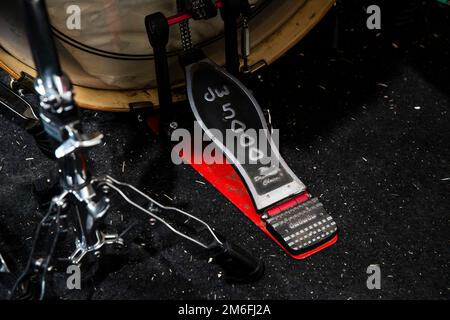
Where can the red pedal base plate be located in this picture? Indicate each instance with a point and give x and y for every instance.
(225, 179)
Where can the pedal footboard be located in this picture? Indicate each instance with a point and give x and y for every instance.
(222, 104)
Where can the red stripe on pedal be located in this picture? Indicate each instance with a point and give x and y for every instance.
(288, 204)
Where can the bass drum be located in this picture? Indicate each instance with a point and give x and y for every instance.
(105, 51)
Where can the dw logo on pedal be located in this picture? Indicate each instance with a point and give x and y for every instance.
(374, 279)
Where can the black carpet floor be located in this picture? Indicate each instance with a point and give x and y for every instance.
(366, 126)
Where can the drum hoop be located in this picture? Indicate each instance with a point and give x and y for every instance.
(149, 57)
(123, 100)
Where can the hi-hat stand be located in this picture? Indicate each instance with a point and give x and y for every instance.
(82, 199)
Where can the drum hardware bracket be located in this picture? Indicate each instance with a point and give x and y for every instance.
(158, 29)
(257, 66)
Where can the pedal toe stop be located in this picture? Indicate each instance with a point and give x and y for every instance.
(303, 227)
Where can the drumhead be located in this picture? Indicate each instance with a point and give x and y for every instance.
(110, 50)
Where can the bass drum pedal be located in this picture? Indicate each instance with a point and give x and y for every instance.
(224, 107)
